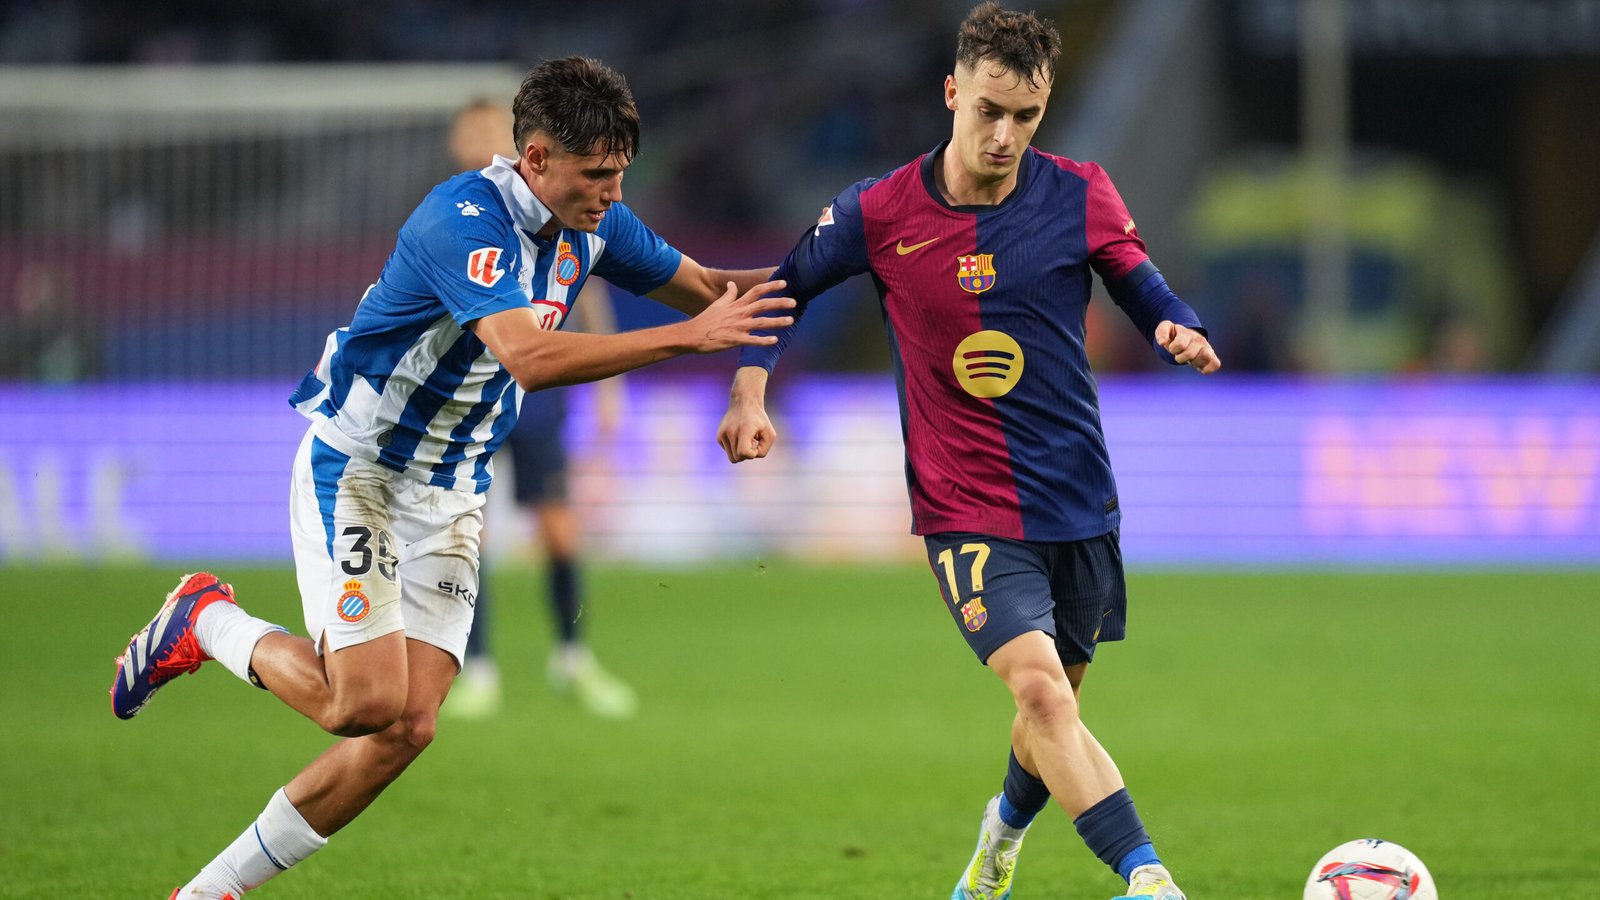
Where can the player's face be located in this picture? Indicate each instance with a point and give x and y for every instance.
(578, 188)
(996, 113)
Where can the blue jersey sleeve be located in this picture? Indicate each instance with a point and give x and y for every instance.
(1144, 295)
(470, 261)
(634, 258)
(829, 252)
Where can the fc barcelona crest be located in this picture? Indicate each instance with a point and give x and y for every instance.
(973, 614)
(975, 273)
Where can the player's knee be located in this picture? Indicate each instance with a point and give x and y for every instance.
(361, 716)
(1044, 696)
(417, 731)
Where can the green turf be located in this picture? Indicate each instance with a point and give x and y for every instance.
(823, 733)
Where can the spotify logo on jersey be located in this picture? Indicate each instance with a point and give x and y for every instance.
(988, 364)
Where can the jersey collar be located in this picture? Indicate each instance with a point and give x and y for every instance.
(930, 159)
(527, 212)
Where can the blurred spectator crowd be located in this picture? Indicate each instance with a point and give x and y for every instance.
(755, 113)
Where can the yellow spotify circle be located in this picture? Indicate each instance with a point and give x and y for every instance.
(988, 364)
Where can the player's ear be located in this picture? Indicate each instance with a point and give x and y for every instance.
(950, 92)
(536, 154)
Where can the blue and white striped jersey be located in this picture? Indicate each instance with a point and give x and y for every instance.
(405, 384)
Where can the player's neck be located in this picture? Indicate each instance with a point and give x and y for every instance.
(552, 226)
(961, 188)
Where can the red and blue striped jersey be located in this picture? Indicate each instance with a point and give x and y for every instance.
(985, 308)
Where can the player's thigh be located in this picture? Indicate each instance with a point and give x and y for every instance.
(1091, 597)
(441, 534)
(344, 547)
(995, 589)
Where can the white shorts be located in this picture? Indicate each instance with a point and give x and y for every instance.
(377, 551)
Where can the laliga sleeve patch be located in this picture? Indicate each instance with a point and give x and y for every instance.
(825, 220)
(482, 266)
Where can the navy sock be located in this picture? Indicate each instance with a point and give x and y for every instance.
(1023, 795)
(564, 599)
(1113, 831)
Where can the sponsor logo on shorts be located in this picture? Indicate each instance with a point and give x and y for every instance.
(974, 614)
(353, 604)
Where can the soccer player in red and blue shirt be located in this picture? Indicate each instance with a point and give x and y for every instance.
(982, 252)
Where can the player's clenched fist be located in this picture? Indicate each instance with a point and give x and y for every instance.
(1188, 347)
(746, 431)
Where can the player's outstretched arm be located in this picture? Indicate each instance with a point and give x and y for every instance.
(1188, 347)
(540, 359)
(694, 287)
(746, 431)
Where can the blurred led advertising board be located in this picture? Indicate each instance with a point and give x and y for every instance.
(1229, 472)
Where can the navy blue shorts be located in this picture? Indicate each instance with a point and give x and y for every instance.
(997, 589)
(538, 448)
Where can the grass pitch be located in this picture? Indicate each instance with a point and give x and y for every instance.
(812, 732)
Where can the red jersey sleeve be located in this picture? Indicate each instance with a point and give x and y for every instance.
(1115, 248)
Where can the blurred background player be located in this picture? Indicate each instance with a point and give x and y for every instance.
(983, 251)
(538, 452)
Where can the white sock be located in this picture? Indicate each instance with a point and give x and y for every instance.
(229, 635)
(573, 657)
(278, 839)
(482, 670)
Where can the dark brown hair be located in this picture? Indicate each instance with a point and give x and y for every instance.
(1021, 42)
(585, 106)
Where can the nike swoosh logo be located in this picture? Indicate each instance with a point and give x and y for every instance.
(901, 248)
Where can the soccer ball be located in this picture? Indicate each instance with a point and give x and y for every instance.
(1370, 869)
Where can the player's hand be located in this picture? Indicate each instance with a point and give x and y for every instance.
(1188, 347)
(746, 432)
(729, 321)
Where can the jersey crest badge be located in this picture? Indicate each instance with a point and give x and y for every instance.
(481, 266)
(975, 273)
(353, 604)
(567, 265)
(974, 614)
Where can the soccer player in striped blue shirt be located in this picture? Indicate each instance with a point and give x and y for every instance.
(407, 405)
(983, 252)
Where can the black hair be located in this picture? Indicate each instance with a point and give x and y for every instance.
(582, 104)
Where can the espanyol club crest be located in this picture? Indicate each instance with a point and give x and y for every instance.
(481, 266)
(353, 604)
(975, 273)
(567, 265)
